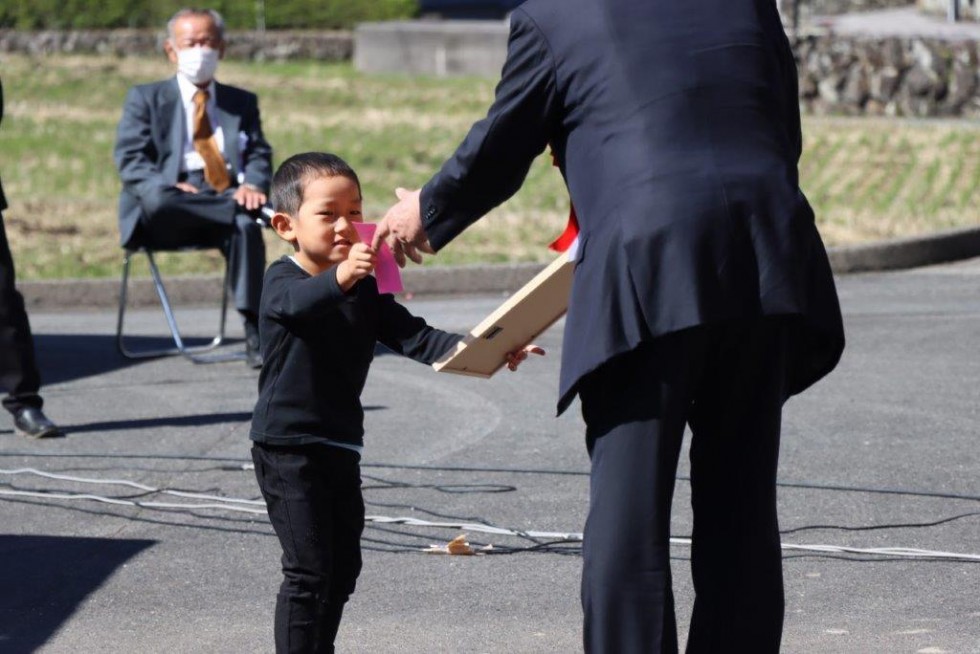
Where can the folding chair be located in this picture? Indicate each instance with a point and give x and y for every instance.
(195, 353)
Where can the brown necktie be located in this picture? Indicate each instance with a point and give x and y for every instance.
(215, 172)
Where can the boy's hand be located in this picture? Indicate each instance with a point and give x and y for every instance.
(360, 263)
(515, 358)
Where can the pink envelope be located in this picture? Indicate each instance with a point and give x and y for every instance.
(386, 272)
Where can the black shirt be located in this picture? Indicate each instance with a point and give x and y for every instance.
(318, 343)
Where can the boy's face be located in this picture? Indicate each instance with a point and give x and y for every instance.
(322, 230)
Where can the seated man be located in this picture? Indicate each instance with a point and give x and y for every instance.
(194, 164)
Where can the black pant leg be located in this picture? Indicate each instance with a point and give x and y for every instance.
(635, 409)
(19, 376)
(314, 500)
(348, 514)
(736, 558)
(246, 260)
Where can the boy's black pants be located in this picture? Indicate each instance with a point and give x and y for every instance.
(313, 493)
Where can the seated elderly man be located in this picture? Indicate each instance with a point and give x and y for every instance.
(194, 164)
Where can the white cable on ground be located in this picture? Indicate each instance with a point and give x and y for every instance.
(232, 504)
(130, 484)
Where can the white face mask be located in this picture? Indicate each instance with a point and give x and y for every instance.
(197, 64)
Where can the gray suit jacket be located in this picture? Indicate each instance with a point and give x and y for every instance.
(150, 143)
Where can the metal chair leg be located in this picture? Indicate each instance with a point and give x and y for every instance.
(194, 353)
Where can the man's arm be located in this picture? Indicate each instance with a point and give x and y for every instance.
(3, 200)
(135, 153)
(257, 158)
(491, 163)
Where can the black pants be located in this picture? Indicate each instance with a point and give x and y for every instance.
(727, 383)
(18, 369)
(173, 219)
(313, 493)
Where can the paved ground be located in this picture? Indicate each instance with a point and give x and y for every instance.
(887, 444)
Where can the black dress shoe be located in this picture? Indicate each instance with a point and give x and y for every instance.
(253, 353)
(31, 422)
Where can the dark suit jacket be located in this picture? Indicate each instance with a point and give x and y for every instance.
(3, 199)
(150, 143)
(676, 126)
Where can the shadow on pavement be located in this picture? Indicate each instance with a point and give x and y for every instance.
(65, 357)
(45, 578)
(198, 420)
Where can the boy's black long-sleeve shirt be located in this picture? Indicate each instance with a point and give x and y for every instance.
(318, 343)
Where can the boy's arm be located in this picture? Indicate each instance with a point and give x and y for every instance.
(410, 335)
(291, 295)
(257, 158)
(297, 298)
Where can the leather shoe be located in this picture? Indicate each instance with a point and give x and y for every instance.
(32, 422)
(253, 353)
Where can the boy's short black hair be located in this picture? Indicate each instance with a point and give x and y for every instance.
(295, 173)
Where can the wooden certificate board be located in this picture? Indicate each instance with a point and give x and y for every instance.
(514, 324)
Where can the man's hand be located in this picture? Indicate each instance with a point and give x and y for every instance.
(402, 228)
(515, 358)
(360, 263)
(186, 188)
(249, 197)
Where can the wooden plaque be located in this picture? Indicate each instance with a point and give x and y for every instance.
(514, 324)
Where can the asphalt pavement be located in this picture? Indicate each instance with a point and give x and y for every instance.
(881, 454)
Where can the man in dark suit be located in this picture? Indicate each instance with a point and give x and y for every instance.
(702, 294)
(194, 164)
(19, 376)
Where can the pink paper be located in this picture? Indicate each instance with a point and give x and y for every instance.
(386, 271)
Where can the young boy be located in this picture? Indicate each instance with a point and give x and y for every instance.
(320, 317)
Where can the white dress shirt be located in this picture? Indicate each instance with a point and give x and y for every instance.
(191, 159)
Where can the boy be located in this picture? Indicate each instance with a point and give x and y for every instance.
(320, 317)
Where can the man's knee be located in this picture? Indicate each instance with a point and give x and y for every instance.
(247, 225)
(169, 202)
(305, 584)
(159, 202)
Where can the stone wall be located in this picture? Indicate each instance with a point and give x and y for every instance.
(838, 74)
(895, 77)
(968, 9)
(275, 45)
(834, 7)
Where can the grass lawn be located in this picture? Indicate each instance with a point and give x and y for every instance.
(867, 178)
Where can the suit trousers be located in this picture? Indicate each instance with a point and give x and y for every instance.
(313, 493)
(727, 382)
(19, 376)
(173, 219)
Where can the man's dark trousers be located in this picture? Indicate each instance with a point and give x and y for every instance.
(727, 382)
(173, 219)
(18, 369)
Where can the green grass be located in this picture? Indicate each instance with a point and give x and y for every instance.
(867, 179)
